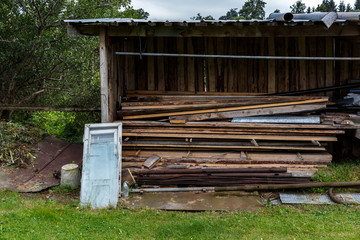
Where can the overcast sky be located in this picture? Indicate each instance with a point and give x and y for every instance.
(184, 9)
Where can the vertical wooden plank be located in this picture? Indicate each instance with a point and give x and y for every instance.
(150, 64)
(171, 81)
(200, 65)
(219, 45)
(226, 64)
(271, 66)
(129, 64)
(182, 85)
(141, 66)
(287, 77)
(356, 53)
(329, 65)
(320, 71)
(231, 63)
(190, 65)
(104, 76)
(262, 77)
(312, 77)
(241, 68)
(251, 69)
(211, 71)
(302, 63)
(160, 65)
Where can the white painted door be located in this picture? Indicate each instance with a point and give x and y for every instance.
(101, 165)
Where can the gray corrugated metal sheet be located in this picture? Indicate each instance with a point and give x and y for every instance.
(297, 18)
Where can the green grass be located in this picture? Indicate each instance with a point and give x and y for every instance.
(38, 217)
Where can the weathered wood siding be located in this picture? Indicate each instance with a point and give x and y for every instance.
(232, 75)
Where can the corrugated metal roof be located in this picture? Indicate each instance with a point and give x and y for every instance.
(340, 17)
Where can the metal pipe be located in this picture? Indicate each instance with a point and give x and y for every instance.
(188, 189)
(281, 16)
(317, 90)
(287, 186)
(251, 187)
(237, 56)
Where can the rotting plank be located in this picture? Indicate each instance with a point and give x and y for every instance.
(151, 161)
(251, 112)
(225, 109)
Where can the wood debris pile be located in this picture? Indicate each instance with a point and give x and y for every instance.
(195, 131)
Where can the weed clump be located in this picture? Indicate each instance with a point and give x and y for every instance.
(17, 143)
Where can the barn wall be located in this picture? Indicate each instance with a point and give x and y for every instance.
(232, 75)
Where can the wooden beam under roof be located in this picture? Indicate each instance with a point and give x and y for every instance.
(228, 30)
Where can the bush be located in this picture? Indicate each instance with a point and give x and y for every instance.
(16, 143)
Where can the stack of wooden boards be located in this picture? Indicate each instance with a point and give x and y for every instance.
(194, 131)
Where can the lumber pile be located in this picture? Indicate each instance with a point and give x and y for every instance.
(184, 133)
(216, 176)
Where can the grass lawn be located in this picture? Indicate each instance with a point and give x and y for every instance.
(36, 216)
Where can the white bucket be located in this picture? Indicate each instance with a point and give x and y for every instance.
(70, 175)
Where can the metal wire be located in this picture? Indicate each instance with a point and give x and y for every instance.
(238, 57)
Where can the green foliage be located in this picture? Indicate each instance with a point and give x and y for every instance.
(357, 5)
(230, 15)
(39, 62)
(253, 9)
(342, 7)
(327, 6)
(35, 217)
(298, 7)
(67, 125)
(65, 189)
(199, 17)
(16, 143)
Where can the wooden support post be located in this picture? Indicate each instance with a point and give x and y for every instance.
(104, 76)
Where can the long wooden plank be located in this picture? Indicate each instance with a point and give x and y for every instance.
(231, 136)
(232, 131)
(253, 148)
(168, 154)
(226, 109)
(228, 125)
(252, 112)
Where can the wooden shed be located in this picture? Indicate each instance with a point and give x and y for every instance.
(221, 70)
(121, 75)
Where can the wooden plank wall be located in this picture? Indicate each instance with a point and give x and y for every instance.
(233, 75)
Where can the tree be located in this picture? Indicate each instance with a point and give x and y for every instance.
(277, 11)
(253, 9)
(348, 8)
(298, 7)
(199, 17)
(342, 7)
(40, 63)
(357, 5)
(308, 10)
(230, 15)
(327, 6)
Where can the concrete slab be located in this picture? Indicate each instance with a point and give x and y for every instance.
(194, 201)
